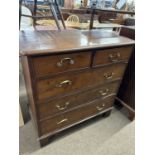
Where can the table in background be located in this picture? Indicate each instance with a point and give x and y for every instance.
(126, 94)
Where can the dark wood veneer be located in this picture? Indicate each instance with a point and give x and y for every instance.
(46, 109)
(60, 63)
(113, 55)
(52, 87)
(75, 115)
(34, 43)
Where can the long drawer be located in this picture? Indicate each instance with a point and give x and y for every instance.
(46, 109)
(67, 83)
(108, 56)
(46, 65)
(74, 116)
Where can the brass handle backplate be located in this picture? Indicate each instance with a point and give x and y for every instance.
(64, 83)
(105, 92)
(114, 57)
(99, 108)
(62, 107)
(63, 60)
(108, 75)
(62, 121)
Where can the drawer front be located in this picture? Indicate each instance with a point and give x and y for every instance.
(114, 55)
(71, 82)
(60, 63)
(74, 116)
(69, 102)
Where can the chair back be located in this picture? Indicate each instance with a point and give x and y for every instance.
(26, 22)
(73, 18)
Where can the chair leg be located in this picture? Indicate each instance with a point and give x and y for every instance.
(59, 11)
(34, 12)
(55, 15)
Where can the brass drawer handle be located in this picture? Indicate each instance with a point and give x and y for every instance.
(100, 108)
(64, 83)
(103, 93)
(62, 121)
(108, 75)
(62, 61)
(62, 107)
(114, 57)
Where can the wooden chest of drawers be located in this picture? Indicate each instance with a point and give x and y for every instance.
(71, 76)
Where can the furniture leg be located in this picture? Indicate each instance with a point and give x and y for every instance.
(131, 115)
(106, 114)
(44, 142)
(131, 111)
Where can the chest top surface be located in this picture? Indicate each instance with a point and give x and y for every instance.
(46, 42)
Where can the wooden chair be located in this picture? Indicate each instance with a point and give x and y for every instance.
(73, 18)
(26, 22)
(106, 16)
(54, 8)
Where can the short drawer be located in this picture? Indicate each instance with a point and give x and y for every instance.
(75, 116)
(46, 109)
(113, 55)
(46, 65)
(80, 80)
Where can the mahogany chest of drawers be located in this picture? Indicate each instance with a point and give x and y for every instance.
(71, 76)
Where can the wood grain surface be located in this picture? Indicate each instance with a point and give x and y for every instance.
(46, 42)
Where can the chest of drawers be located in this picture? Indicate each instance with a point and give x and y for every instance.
(71, 76)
